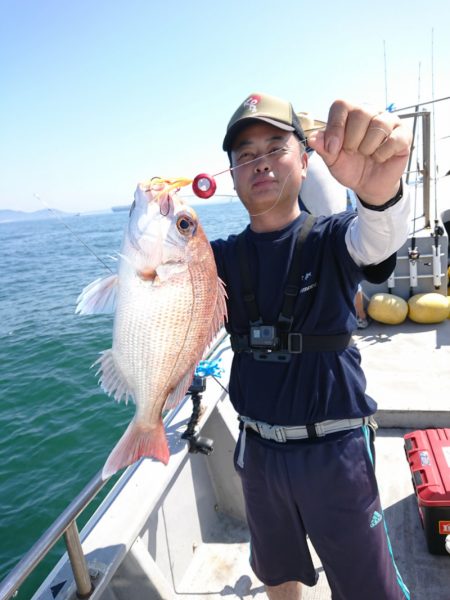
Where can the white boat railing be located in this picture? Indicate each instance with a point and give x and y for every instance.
(65, 526)
(425, 167)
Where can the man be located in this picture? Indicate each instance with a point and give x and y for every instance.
(296, 381)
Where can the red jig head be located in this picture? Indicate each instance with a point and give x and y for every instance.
(204, 186)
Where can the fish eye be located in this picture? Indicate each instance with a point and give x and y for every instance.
(185, 225)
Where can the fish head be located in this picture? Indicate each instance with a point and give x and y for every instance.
(161, 230)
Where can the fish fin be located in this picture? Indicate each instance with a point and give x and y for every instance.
(220, 312)
(98, 297)
(136, 442)
(177, 395)
(112, 380)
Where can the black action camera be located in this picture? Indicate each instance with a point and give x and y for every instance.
(263, 336)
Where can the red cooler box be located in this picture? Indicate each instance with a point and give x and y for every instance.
(428, 455)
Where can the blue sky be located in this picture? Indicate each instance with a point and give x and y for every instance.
(98, 95)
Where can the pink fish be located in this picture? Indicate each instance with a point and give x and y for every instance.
(168, 304)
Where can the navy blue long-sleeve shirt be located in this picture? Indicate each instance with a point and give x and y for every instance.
(313, 386)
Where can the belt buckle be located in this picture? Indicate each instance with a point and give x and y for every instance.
(272, 432)
(320, 431)
(295, 343)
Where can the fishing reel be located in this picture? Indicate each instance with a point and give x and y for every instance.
(413, 254)
(438, 231)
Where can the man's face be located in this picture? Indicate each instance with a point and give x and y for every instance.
(270, 179)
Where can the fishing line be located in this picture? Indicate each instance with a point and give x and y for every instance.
(49, 208)
(277, 200)
(204, 185)
(248, 162)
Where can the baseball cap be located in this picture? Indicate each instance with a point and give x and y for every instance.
(266, 108)
(308, 123)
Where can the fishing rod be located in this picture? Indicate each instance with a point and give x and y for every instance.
(438, 230)
(413, 251)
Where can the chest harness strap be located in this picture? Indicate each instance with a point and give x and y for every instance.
(277, 343)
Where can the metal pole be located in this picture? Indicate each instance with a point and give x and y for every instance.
(78, 561)
(33, 557)
(426, 141)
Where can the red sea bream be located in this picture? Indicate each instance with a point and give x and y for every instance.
(168, 304)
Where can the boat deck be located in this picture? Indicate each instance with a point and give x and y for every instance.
(224, 557)
(179, 531)
(407, 368)
(427, 576)
(414, 392)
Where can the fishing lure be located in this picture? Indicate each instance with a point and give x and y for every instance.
(203, 185)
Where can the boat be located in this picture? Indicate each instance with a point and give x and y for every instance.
(121, 207)
(179, 531)
(422, 262)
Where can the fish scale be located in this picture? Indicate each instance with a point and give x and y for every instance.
(169, 303)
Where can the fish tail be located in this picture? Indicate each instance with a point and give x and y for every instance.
(136, 442)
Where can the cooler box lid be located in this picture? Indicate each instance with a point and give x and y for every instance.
(428, 455)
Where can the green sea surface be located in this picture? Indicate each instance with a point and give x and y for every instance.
(57, 426)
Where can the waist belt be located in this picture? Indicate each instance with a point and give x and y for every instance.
(278, 433)
(297, 343)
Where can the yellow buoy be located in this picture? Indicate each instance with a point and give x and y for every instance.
(428, 308)
(388, 308)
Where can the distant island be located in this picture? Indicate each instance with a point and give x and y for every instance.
(191, 199)
(6, 215)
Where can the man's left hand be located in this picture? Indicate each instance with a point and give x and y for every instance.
(365, 150)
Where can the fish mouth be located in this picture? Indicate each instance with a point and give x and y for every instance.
(159, 190)
(156, 190)
(166, 205)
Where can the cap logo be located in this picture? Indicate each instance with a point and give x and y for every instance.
(252, 102)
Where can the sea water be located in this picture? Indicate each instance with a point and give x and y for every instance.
(56, 425)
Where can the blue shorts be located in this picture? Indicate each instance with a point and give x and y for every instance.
(324, 488)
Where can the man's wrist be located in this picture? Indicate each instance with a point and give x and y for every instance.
(380, 207)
